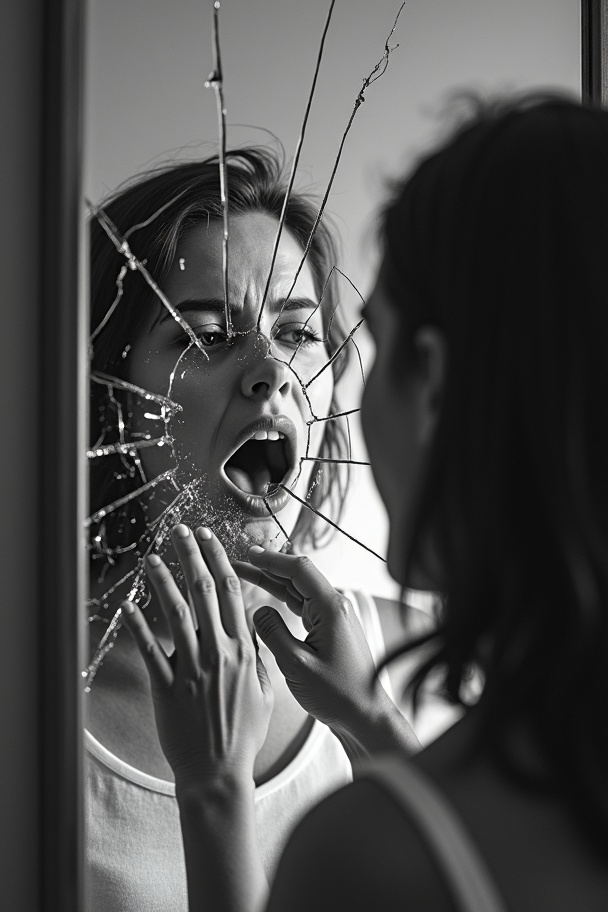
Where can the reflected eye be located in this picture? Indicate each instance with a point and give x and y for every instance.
(210, 335)
(297, 334)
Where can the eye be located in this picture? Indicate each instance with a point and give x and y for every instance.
(297, 334)
(210, 335)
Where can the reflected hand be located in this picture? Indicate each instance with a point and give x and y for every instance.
(212, 696)
(331, 673)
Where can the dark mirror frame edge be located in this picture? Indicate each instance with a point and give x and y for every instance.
(63, 309)
(594, 51)
(64, 318)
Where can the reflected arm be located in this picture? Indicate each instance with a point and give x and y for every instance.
(223, 862)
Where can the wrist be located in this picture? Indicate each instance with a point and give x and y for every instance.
(376, 728)
(220, 790)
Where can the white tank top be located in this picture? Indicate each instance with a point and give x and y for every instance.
(135, 860)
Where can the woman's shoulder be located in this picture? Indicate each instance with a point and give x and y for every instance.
(527, 838)
(358, 850)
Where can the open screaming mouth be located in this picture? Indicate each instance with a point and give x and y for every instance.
(260, 463)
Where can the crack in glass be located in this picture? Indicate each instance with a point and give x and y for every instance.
(215, 81)
(184, 499)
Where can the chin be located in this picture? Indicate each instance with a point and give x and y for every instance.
(238, 521)
(265, 533)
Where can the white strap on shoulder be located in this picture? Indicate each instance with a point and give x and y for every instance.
(472, 885)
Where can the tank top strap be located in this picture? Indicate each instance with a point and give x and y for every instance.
(469, 880)
(366, 611)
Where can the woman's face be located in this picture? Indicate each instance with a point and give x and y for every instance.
(395, 420)
(245, 420)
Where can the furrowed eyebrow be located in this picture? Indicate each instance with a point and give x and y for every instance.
(294, 304)
(208, 305)
(216, 305)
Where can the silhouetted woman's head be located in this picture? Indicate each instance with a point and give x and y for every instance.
(492, 330)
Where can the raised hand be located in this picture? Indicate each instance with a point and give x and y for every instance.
(212, 696)
(331, 673)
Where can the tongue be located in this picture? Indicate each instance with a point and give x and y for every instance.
(250, 484)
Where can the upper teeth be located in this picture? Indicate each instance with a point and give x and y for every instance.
(268, 435)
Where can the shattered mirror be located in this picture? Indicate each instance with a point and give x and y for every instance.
(235, 160)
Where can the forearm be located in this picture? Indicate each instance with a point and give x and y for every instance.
(223, 862)
(383, 729)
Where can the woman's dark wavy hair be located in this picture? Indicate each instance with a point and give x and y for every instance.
(500, 239)
(154, 211)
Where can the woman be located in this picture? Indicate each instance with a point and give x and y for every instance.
(198, 420)
(484, 418)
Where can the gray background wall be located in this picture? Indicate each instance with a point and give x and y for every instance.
(148, 60)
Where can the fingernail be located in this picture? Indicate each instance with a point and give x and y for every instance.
(127, 608)
(182, 531)
(203, 533)
(153, 560)
(255, 549)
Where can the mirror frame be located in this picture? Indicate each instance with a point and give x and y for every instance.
(594, 51)
(63, 402)
(64, 370)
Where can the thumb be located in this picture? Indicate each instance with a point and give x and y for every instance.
(272, 629)
(265, 683)
(263, 677)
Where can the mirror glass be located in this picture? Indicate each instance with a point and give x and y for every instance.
(162, 395)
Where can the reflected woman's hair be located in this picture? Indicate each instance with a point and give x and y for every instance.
(155, 210)
(499, 239)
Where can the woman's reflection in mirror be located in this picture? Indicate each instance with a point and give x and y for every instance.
(245, 421)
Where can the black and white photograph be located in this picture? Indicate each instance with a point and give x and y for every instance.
(305, 521)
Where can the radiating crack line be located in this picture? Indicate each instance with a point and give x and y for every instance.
(378, 71)
(296, 160)
(331, 360)
(119, 383)
(329, 459)
(114, 305)
(337, 415)
(274, 516)
(123, 247)
(215, 81)
(112, 449)
(95, 517)
(331, 522)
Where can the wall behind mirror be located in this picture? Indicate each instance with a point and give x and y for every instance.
(147, 62)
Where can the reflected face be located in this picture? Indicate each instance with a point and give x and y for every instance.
(391, 418)
(245, 422)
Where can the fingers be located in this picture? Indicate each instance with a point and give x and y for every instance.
(272, 629)
(177, 612)
(307, 580)
(157, 662)
(201, 586)
(282, 589)
(227, 584)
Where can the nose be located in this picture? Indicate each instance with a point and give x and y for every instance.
(265, 375)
